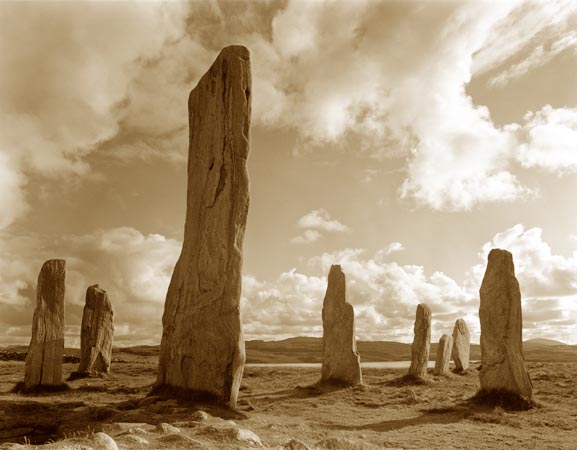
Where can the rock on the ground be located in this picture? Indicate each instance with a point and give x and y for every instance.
(166, 428)
(341, 361)
(248, 437)
(45, 352)
(102, 441)
(199, 416)
(96, 332)
(135, 439)
(202, 347)
(503, 364)
(345, 444)
(421, 342)
(295, 444)
(461, 346)
(443, 357)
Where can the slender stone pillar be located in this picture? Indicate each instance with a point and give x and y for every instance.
(45, 352)
(341, 361)
(202, 348)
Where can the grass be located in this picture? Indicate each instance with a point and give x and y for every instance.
(280, 404)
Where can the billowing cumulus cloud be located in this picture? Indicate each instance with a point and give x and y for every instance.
(385, 294)
(68, 70)
(549, 140)
(379, 78)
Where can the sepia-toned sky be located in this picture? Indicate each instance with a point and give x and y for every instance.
(402, 140)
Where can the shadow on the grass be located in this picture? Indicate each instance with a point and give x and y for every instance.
(509, 401)
(42, 389)
(308, 391)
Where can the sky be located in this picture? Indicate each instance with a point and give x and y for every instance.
(402, 140)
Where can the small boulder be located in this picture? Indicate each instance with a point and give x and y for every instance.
(102, 441)
(166, 428)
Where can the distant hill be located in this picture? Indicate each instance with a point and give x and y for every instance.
(543, 342)
(309, 350)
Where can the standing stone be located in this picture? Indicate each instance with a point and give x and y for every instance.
(96, 333)
(443, 359)
(503, 364)
(461, 346)
(421, 342)
(202, 347)
(44, 359)
(341, 361)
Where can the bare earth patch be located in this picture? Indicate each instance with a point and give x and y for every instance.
(285, 408)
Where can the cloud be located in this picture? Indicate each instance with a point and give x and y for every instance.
(526, 23)
(133, 268)
(548, 140)
(538, 57)
(307, 237)
(314, 224)
(393, 247)
(320, 219)
(68, 70)
(115, 78)
(385, 294)
(541, 273)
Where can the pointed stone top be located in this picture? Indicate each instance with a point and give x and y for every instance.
(502, 259)
(96, 287)
(461, 326)
(235, 50)
(336, 268)
(59, 263)
(423, 310)
(97, 297)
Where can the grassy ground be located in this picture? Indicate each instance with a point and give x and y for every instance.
(280, 404)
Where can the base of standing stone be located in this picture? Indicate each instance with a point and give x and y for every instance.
(78, 375)
(408, 380)
(168, 391)
(20, 388)
(504, 399)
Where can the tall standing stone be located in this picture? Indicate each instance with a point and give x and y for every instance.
(45, 352)
(443, 358)
(461, 346)
(202, 347)
(96, 333)
(341, 361)
(421, 342)
(503, 364)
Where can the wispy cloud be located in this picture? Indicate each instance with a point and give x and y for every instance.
(320, 219)
(315, 224)
(538, 57)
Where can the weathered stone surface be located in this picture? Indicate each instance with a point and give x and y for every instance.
(503, 364)
(443, 358)
(96, 332)
(202, 347)
(421, 342)
(341, 361)
(461, 346)
(44, 358)
(102, 441)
